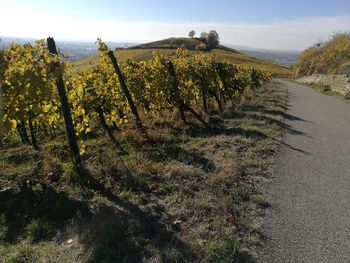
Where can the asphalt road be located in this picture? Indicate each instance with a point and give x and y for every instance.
(309, 217)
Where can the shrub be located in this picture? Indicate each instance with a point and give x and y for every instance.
(325, 58)
(323, 88)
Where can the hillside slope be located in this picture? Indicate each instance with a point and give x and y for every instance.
(330, 57)
(169, 46)
(172, 43)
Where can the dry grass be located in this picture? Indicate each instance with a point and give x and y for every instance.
(195, 196)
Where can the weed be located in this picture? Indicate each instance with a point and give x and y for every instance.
(261, 201)
(225, 249)
(347, 95)
(323, 88)
(71, 172)
(38, 230)
(3, 228)
(23, 253)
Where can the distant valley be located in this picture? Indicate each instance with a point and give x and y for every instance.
(74, 49)
(285, 58)
(78, 50)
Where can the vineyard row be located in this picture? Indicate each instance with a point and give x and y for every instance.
(38, 90)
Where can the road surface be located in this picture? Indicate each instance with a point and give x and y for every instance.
(309, 217)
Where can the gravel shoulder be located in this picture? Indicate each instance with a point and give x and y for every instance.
(309, 217)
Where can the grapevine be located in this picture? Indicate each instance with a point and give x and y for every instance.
(190, 84)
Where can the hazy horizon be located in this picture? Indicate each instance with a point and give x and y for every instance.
(293, 25)
(9, 39)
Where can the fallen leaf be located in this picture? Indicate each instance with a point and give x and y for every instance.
(231, 219)
(153, 187)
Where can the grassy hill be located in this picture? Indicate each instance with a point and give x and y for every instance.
(169, 46)
(172, 43)
(330, 57)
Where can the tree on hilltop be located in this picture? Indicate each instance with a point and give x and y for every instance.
(213, 39)
(192, 34)
(204, 35)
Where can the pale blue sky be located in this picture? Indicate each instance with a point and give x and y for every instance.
(256, 23)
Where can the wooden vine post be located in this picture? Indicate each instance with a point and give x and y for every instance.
(127, 94)
(175, 93)
(70, 130)
(31, 129)
(180, 104)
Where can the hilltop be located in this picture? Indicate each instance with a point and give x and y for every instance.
(172, 43)
(193, 44)
(169, 46)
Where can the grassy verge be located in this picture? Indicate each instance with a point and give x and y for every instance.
(327, 90)
(196, 196)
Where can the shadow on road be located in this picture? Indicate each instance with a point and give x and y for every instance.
(252, 113)
(295, 149)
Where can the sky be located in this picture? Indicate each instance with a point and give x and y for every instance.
(268, 24)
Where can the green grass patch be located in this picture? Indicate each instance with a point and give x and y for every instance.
(325, 89)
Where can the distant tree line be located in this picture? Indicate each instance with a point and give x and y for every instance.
(209, 40)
